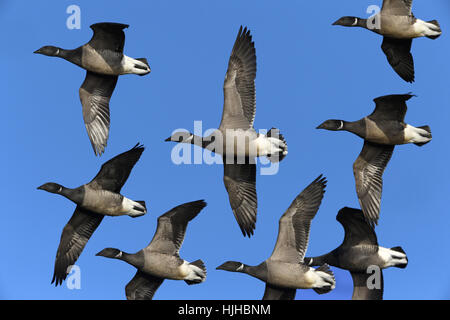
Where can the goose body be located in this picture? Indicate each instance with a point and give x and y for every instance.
(236, 139)
(396, 23)
(285, 271)
(160, 260)
(104, 61)
(94, 200)
(359, 253)
(382, 130)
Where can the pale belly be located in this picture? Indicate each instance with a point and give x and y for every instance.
(103, 202)
(399, 27)
(165, 266)
(288, 275)
(94, 62)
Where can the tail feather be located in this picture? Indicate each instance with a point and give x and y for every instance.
(401, 265)
(427, 129)
(277, 157)
(438, 29)
(202, 274)
(144, 60)
(325, 268)
(142, 203)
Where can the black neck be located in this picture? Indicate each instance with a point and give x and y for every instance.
(76, 195)
(259, 271)
(136, 259)
(356, 127)
(329, 258)
(73, 56)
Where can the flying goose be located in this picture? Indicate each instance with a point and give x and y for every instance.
(359, 253)
(396, 23)
(381, 131)
(160, 259)
(104, 61)
(94, 200)
(285, 271)
(236, 139)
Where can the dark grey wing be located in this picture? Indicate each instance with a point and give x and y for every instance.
(172, 226)
(368, 171)
(115, 172)
(294, 225)
(239, 86)
(397, 7)
(276, 293)
(366, 286)
(357, 231)
(95, 93)
(108, 36)
(240, 182)
(74, 237)
(142, 287)
(398, 54)
(390, 107)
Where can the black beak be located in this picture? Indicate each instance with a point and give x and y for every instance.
(319, 127)
(168, 139)
(37, 51)
(39, 188)
(336, 23)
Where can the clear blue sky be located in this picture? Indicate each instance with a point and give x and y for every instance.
(308, 71)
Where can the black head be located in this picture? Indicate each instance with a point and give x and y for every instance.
(333, 125)
(110, 253)
(51, 187)
(347, 22)
(231, 266)
(50, 51)
(181, 136)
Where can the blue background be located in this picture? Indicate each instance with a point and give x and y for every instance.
(308, 71)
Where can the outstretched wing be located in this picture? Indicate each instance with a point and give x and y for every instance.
(361, 282)
(95, 93)
(397, 7)
(74, 237)
(114, 173)
(277, 293)
(142, 287)
(294, 225)
(368, 171)
(240, 182)
(108, 36)
(390, 107)
(398, 54)
(357, 231)
(239, 87)
(172, 226)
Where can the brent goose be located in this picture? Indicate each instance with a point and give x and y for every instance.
(236, 139)
(285, 272)
(160, 259)
(396, 23)
(94, 200)
(359, 253)
(104, 61)
(381, 131)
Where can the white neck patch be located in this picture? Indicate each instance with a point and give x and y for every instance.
(341, 126)
(240, 267)
(119, 254)
(356, 22)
